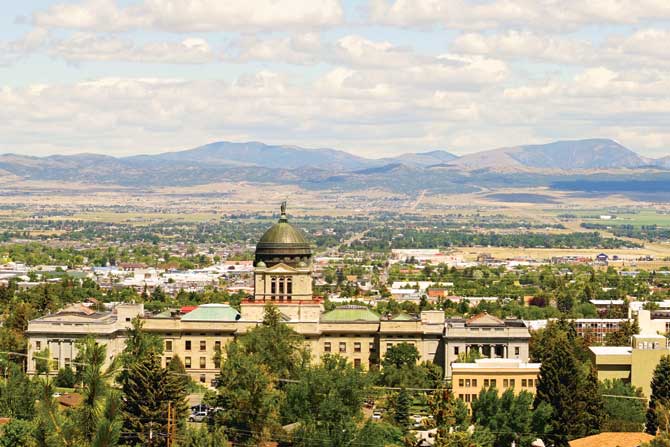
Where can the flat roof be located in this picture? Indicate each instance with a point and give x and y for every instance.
(611, 350)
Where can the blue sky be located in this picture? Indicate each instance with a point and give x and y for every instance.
(372, 77)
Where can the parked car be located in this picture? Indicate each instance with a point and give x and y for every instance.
(198, 416)
(376, 415)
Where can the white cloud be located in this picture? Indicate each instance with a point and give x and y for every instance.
(12, 51)
(296, 49)
(93, 47)
(539, 14)
(192, 15)
(525, 44)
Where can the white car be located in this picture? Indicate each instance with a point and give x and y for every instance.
(376, 415)
(198, 416)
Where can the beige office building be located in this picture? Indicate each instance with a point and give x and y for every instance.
(468, 379)
(634, 364)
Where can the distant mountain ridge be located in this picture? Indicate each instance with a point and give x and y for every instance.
(436, 170)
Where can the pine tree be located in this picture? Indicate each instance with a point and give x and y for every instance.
(563, 385)
(403, 403)
(145, 401)
(660, 394)
(177, 383)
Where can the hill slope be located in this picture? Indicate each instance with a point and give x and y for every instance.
(563, 155)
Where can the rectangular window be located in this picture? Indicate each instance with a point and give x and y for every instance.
(289, 286)
(467, 398)
(516, 351)
(389, 345)
(187, 345)
(281, 286)
(326, 347)
(38, 345)
(357, 347)
(187, 362)
(203, 378)
(217, 345)
(203, 362)
(357, 363)
(456, 350)
(217, 362)
(203, 345)
(474, 382)
(168, 345)
(372, 347)
(493, 383)
(54, 363)
(460, 396)
(486, 382)
(461, 382)
(512, 383)
(524, 383)
(505, 383)
(167, 361)
(67, 361)
(273, 285)
(343, 347)
(467, 383)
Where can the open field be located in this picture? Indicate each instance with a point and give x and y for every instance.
(470, 253)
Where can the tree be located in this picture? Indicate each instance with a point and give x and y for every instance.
(276, 345)
(400, 355)
(145, 401)
(65, 378)
(510, 417)
(202, 437)
(569, 391)
(401, 408)
(660, 394)
(626, 415)
(378, 434)
(177, 383)
(17, 394)
(448, 413)
(248, 397)
(327, 402)
(622, 336)
(18, 433)
(95, 385)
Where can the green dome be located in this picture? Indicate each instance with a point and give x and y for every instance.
(282, 243)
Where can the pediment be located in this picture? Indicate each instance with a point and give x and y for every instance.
(281, 268)
(485, 320)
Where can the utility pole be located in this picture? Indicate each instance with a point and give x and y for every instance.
(171, 425)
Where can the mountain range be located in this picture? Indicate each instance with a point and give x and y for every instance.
(436, 170)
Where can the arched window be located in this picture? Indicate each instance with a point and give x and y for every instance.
(289, 287)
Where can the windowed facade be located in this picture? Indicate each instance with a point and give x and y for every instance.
(187, 345)
(187, 362)
(343, 347)
(326, 347)
(168, 345)
(357, 347)
(203, 345)
(203, 362)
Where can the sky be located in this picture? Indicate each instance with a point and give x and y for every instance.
(371, 77)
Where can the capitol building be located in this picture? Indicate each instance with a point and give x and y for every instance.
(283, 276)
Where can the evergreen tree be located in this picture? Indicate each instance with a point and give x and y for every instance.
(569, 391)
(401, 408)
(177, 384)
(276, 345)
(660, 394)
(145, 401)
(248, 397)
(627, 415)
